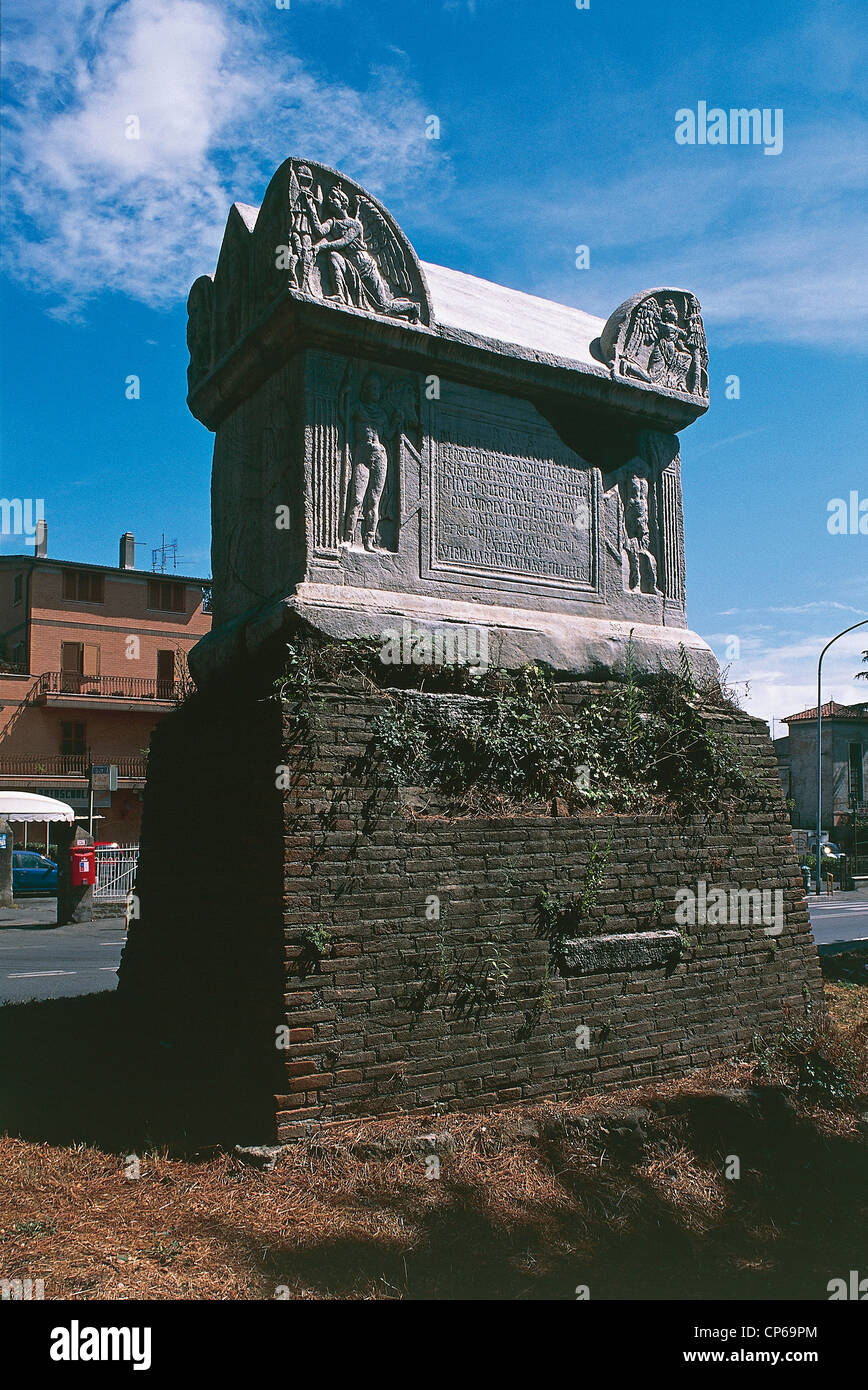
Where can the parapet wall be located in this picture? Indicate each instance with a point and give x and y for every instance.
(347, 947)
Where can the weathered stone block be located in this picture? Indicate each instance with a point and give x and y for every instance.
(591, 955)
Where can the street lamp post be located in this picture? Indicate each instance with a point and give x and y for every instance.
(862, 623)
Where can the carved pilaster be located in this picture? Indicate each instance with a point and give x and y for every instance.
(326, 471)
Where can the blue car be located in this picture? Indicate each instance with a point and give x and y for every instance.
(32, 873)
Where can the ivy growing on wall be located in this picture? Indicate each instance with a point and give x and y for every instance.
(562, 918)
(506, 736)
(626, 747)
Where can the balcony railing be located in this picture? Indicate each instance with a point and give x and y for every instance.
(131, 766)
(110, 687)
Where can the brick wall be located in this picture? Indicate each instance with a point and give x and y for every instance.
(202, 967)
(405, 1010)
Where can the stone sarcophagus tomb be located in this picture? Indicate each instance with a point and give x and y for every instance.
(383, 918)
(398, 439)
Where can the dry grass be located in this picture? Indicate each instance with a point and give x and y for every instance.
(624, 1192)
(847, 1006)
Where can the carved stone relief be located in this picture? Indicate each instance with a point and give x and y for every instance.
(658, 337)
(358, 435)
(633, 528)
(317, 234)
(644, 530)
(341, 247)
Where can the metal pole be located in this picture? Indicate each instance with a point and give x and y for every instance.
(862, 623)
(819, 772)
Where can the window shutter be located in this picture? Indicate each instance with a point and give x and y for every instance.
(91, 660)
(71, 656)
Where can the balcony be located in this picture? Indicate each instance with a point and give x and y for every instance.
(34, 768)
(71, 689)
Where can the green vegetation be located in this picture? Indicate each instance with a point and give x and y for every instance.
(824, 1063)
(561, 918)
(318, 937)
(626, 747)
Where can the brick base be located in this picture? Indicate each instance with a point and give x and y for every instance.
(407, 1009)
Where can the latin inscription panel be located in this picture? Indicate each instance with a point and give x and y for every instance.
(512, 503)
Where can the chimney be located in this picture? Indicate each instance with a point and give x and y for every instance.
(127, 559)
(41, 539)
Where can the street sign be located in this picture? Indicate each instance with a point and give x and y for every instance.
(104, 777)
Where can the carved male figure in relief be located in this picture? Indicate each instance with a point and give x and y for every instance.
(355, 273)
(641, 564)
(372, 426)
(301, 255)
(632, 529)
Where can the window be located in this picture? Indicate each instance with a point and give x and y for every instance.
(78, 661)
(166, 596)
(16, 656)
(72, 737)
(165, 673)
(857, 787)
(84, 586)
(17, 588)
(72, 657)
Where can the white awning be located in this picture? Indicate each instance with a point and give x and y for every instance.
(27, 806)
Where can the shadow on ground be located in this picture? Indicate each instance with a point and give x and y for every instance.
(637, 1208)
(634, 1196)
(85, 1070)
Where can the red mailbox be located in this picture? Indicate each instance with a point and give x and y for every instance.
(82, 866)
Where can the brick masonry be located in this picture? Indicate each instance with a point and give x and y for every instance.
(403, 1010)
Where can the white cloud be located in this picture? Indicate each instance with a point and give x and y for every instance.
(782, 678)
(817, 605)
(768, 245)
(218, 108)
(814, 606)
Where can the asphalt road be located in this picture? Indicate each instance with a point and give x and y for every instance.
(843, 917)
(39, 960)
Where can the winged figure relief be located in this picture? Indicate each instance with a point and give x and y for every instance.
(365, 263)
(644, 328)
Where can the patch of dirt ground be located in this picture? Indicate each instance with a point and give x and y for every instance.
(748, 1181)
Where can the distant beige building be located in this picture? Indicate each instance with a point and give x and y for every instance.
(91, 656)
(845, 768)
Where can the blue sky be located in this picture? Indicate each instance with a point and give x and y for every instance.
(557, 129)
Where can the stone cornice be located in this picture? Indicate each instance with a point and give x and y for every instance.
(296, 323)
